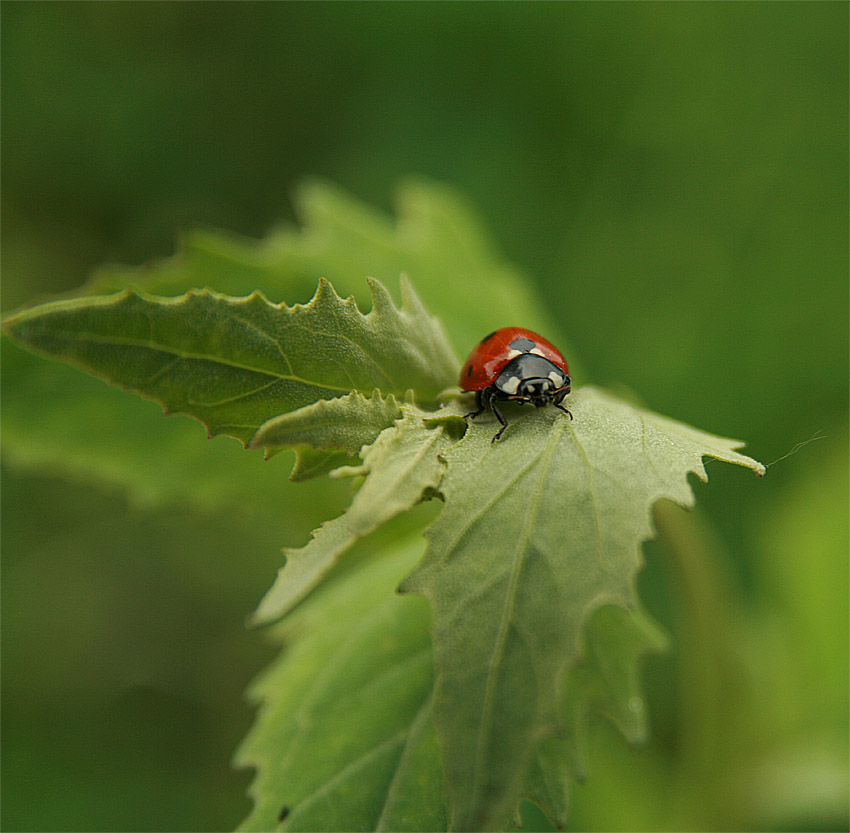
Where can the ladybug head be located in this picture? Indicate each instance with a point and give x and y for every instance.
(532, 378)
(541, 392)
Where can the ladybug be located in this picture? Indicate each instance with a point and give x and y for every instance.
(516, 365)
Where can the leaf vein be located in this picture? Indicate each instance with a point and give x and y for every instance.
(182, 354)
(594, 500)
(364, 353)
(476, 514)
(351, 768)
(250, 325)
(422, 716)
(341, 656)
(394, 670)
(509, 610)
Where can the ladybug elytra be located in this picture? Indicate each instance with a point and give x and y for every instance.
(515, 365)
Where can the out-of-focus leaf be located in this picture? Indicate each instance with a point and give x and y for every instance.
(605, 681)
(437, 239)
(538, 532)
(343, 738)
(797, 649)
(59, 421)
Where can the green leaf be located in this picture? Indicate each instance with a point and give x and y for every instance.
(605, 681)
(233, 264)
(346, 423)
(314, 462)
(61, 422)
(304, 568)
(525, 562)
(538, 532)
(401, 467)
(233, 363)
(344, 738)
(402, 464)
(435, 237)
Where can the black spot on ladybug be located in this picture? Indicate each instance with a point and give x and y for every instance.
(488, 337)
(523, 345)
(469, 372)
(284, 812)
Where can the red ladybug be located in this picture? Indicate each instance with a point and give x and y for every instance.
(517, 365)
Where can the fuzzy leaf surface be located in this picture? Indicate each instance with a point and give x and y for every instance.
(538, 532)
(315, 462)
(234, 363)
(346, 423)
(400, 467)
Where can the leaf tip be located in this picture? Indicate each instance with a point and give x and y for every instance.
(381, 298)
(324, 293)
(410, 300)
(409, 585)
(258, 297)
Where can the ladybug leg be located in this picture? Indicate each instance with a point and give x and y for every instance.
(562, 408)
(479, 401)
(499, 416)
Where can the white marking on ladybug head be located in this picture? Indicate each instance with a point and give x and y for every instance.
(510, 385)
(537, 352)
(557, 379)
(512, 354)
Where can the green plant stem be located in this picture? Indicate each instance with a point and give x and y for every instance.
(709, 677)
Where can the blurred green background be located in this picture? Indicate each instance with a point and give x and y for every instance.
(673, 179)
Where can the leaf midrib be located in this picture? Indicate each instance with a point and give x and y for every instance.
(509, 609)
(113, 341)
